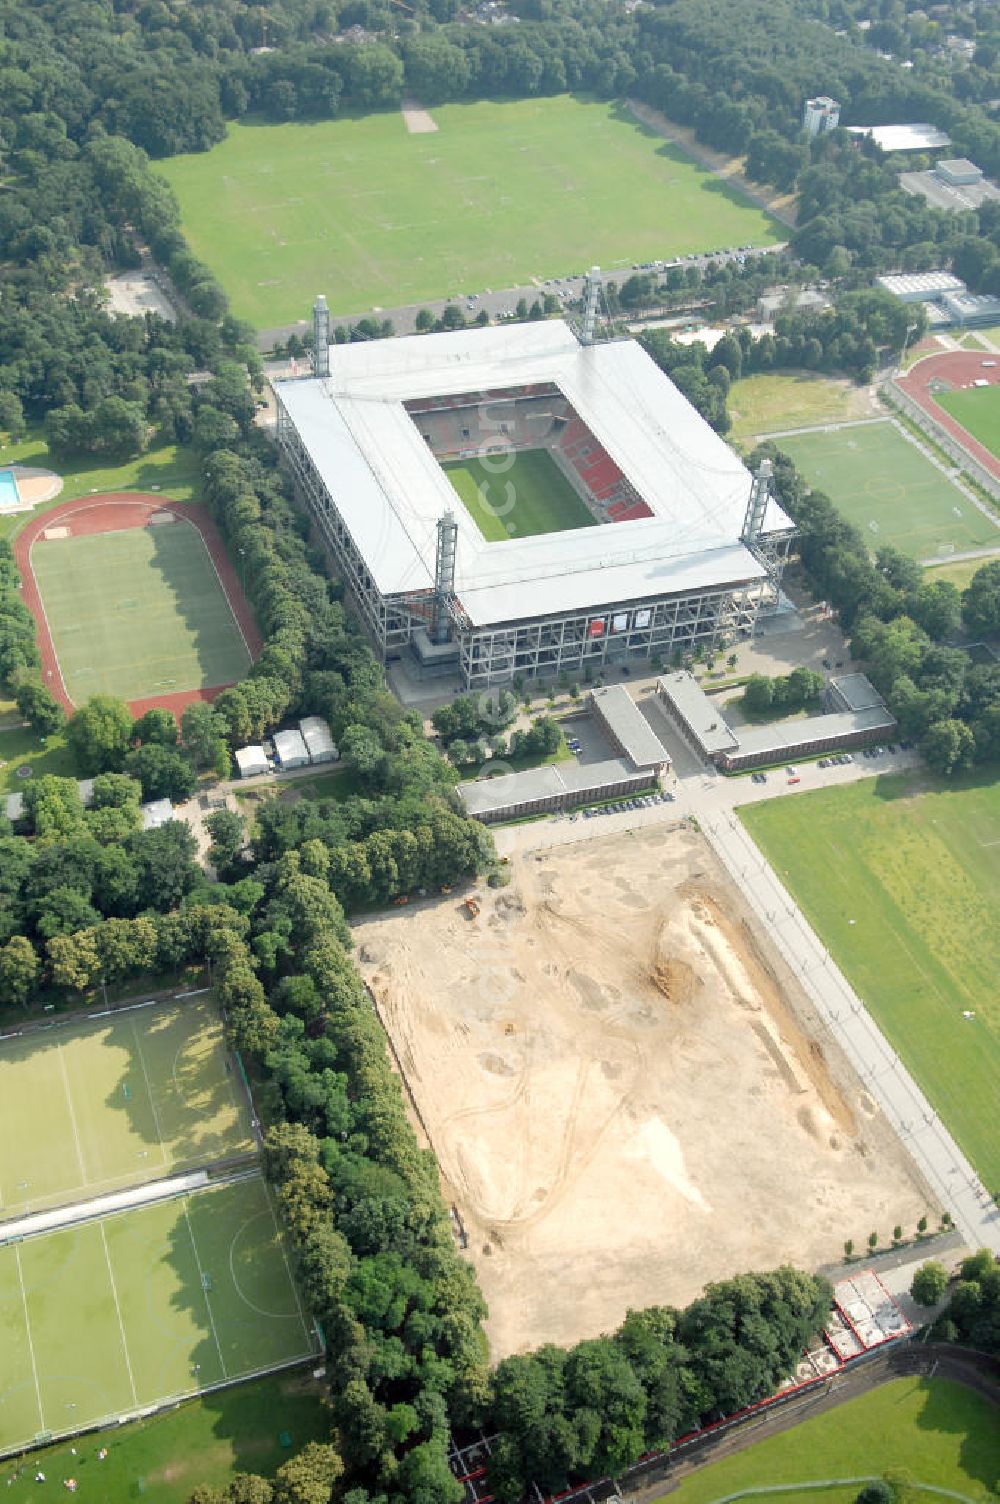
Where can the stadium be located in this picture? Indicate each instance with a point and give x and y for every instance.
(523, 500)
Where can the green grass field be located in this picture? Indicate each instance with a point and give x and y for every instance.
(881, 481)
(89, 1107)
(978, 410)
(940, 1433)
(797, 399)
(138, 612)
(500, 193)
(162, 1458)
(22, 748)
(900, 878)
(101, 1319)
(532, 496)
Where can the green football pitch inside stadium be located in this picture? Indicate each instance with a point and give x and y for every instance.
(87, 1108)
(529, 495)
(137, 613)
(978, 410)
(101, 1319)
(882, 483)
(500, 193)
(900, 879)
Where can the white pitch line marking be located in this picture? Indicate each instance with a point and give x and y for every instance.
(31, 1345)
(201, 1276)
(118, 1309)
(72, 1117)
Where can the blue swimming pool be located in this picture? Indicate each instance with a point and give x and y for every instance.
(9, 494)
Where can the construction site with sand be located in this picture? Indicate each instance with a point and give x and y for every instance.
(628, 1092)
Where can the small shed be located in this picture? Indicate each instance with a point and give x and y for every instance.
(290, 750)
(13, 807)
(251, 761)
(318, 739)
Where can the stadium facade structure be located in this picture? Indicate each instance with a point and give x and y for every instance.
(690, 551)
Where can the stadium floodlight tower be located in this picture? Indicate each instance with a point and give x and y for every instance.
(591, 296)
(769, 548)
(444, 575)
(321, 337)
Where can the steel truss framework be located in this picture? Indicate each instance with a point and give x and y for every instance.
(604, 633)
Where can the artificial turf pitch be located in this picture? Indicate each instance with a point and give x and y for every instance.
(500, 193)
(104, 1318)
(88, 1108)
(137, 613)
(978, 411)
(879, 480)
(900, 879)
(518, 495)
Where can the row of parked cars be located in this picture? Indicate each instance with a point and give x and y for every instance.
(641, 801)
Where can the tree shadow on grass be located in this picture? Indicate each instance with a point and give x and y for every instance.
(951, 1409)
(907, 785)
(180, 557)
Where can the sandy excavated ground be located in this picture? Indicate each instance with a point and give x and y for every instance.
(620, 1082)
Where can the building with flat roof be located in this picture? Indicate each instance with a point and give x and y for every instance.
(820, 115)
(318, 738)
(627, 728)
(920, 287)
(957, 185)
(919, 137)
(156, 812)
(854, 715)
(557, 786)
(687, 549)
(251, 761)
(290, 750)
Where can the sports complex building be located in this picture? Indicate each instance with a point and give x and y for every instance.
(520, 500)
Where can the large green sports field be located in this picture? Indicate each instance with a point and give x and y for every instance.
(137, 613)
(90, 1107)
(978, 410)
(900, 878)
(938, 1433)
(879, 480)
(500, 193)
(530, 495)
(101, 1319)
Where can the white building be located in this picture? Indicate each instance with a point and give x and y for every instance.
(820, 115)
(251, 761)
(318, 738)
(155, 813)
(671, 564)
(919, 137)
(290, 750)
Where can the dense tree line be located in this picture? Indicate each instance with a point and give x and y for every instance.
(972, 1314)
(903, 627)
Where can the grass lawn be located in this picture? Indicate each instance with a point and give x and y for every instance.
(498, 194)
(137, 612)
(103, 1318)
(532, 496)
(771, 404)
(162, 1459)
(959, 574)
(882, 482)
(978, 410)
(168, 468)
(488, 769)
(900, 877)
(21, 748)
(92, 1106)
(941, 1433)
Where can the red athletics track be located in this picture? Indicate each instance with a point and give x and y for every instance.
(111, 513)
(958, 368)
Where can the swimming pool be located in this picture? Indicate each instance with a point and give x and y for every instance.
(9, 494)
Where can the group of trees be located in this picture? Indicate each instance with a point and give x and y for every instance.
(784, 693)
(902, 627)
(972, 1314)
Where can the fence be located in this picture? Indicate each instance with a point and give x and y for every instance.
(894, 396)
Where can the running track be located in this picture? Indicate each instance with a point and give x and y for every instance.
(114, 512)
(958, 369)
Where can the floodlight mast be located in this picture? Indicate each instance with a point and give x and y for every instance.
(444, 575)
(591, 295)
(321, 337)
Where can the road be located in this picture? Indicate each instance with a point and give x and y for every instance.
(700, 792)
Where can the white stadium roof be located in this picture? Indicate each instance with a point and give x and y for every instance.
(919, 137)
(390, 490)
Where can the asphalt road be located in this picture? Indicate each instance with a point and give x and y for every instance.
(701, 792)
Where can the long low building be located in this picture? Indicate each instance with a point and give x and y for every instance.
(855, 715)
(627, 728)
(555, 787)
